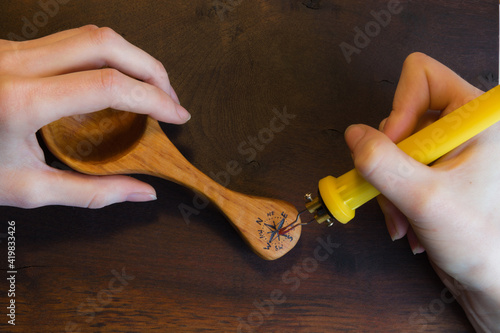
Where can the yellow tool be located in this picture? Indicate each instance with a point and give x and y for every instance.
(339, 197)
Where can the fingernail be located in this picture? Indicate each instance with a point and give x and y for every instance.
(397, 234)
(393, 231)
(392, 226)
(417, 249)
(382, 125)
(140, 197)
(353, 134)
(183, 113)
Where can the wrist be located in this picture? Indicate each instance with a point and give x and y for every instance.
(482, 309)
(482, 306)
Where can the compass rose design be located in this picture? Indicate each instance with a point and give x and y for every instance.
(269, 230)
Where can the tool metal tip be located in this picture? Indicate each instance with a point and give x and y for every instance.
(293, 224)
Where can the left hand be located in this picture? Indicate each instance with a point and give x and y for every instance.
(68, 73)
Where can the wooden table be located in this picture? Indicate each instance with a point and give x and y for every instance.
(235, 63)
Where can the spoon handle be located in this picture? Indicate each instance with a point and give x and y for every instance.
(140, 147)
(156, 155)
(257, 219)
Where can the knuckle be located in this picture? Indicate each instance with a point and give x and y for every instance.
(426, 201)
(415, 59)
(160, 69)
(5, 61)
(156, 73)
(98, 200)
(104, 36)
(27, 193)
(9, 60)
(12, 98)
(30, 200)
(89, 27)
(370, 157)
(109, 79)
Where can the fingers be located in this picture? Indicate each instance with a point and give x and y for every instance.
(402, 180)
(68, 73)
(398, 225)
(81, 90)
(50, 39)
(415, 245)
(90, 48)
(424, 84)
(55, 187)
(28, 182)
(404, 183)
(396, 222)
(48, 99)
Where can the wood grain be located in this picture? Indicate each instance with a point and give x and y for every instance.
(110, 142)
(231, 69)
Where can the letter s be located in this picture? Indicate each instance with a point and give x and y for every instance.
(291, 280)
(252, 153)
(414, 321)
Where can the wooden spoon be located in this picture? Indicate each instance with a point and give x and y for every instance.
(115, 142)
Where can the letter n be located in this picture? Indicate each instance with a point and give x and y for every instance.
(348, 50)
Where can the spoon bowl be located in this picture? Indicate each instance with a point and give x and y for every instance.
(116, 142)
(94, 139)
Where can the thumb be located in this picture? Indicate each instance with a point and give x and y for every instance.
(397, 176)
(68, 188)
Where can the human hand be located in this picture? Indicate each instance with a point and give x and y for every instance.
(449, 209)
(68, 73)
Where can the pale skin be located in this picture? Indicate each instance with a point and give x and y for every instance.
(450, 210)
(73, 72)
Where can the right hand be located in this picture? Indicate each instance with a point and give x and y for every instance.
(450, 209)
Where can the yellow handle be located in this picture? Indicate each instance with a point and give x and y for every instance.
(344, 194)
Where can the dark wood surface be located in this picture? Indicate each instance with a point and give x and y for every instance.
(232, 62)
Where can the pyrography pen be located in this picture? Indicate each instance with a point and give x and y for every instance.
(339, 197)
